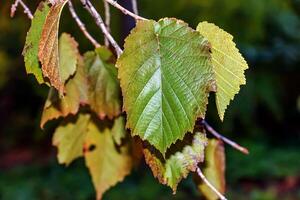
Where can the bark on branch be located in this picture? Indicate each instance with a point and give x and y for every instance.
(81, 25)
(15, 5)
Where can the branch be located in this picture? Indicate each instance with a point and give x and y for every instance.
(124, 10)
(26, 9)
(99, 21)
(81, 25)
(134, 7)
(199, 172)
(226, 140)
(107, 20)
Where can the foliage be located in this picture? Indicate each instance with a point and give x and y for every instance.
(166, 86)
(264, 111)
(104, 89)
(31, 48)
(183, 158)
(166, 72)
(48, 51)
(228, 64)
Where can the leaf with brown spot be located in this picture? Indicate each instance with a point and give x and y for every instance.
(31, 48)
(107, 164)
(48, 47)
(182, 157)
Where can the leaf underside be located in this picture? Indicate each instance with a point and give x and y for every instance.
(229, 65)
(48, 51)
(165, 74)
(172, 170)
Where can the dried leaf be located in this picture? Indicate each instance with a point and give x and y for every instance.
(48, 47)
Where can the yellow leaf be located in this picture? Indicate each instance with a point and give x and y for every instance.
(229, 65)
(214, 169)
(107, 164)
(69, 139)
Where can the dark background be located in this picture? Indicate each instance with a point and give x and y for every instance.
(264, 117)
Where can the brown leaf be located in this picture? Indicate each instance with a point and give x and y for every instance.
(48, 47)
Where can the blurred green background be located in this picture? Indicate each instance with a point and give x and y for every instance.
(265, 116)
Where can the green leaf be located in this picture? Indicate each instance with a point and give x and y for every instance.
(69, 139)
(107, 164)
(214, 169)
(171, 170)
(165, 74)
(48, 51)
(104, 88)
(68, 54)
(76, 94)
(31, 48)
(228, 64)
(118, 130)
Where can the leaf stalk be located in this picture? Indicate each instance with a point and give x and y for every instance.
(204, 179)
(125, 11)
(226, 140)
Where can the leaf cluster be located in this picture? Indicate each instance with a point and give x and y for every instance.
(162, 81)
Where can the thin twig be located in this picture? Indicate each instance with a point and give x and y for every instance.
(107, 20)
(26, 9)
(226, 140)
(199, 172)
(134, 7)
(125, 11)
(99, 21)
(82, 26)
